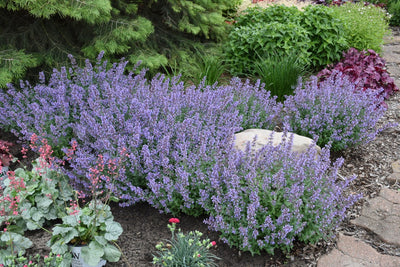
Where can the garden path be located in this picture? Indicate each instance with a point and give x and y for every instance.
(380, 215)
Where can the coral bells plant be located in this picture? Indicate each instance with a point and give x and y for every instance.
(365, 69)
(5, 156)
(334, 111)
(30, 199)
(50, 260)
(185, 250)
(91, 225)
(264, 201)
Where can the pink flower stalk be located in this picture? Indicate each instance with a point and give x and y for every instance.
(213, 243)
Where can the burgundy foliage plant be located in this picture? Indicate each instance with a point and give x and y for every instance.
(366, 69)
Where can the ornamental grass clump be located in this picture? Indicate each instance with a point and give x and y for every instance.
(334, 111)
(267, 200)
(172, 134)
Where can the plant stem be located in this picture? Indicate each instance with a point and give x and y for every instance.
(122, 253)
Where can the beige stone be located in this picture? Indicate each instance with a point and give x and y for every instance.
(353, 252)
(263, 137)
(381, 215)
(396, 166)
(393, 178)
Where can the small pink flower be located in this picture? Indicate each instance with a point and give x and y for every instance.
(5, 230)
(213, 243)
(58, 255)
(25, 265)
(46, 257)
(198, 255)
(174, 220)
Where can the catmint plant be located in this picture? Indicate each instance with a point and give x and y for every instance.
(263, 201)
(171, 133)
(334, 111)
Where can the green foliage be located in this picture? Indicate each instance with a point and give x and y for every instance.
(314, 34)
(326, 35)
(93, 225)
(279, 74)
(41, 198)
(19, 260)
(365, 26)
(208, 67)
(13, 64)
(43, 33)
(274, 13)
(394, 10)
(117, 36)
(91, 11)
(46, 193)
(247, 43)
(197, 17)
(185, 250)
(12, 242)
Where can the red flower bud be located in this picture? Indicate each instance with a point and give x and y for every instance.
(174, 220)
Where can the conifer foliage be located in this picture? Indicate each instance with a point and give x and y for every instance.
(42, 33)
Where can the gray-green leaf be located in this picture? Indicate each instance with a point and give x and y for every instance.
(92, 254)
(113, 231)
(111, 253)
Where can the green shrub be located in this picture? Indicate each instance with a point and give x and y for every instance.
(247, 43)
(315, 35)
(279, 74)
(274, 13)
(394, 10)
(364, 26)
(326, 34)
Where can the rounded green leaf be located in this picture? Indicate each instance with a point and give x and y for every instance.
(113, 231)
(92, 254)
(111, 253)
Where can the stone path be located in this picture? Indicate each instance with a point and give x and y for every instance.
(380, 215)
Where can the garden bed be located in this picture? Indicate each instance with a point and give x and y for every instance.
(144, 226)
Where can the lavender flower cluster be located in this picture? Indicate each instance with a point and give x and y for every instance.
(334, 111)
(177, 144)
(171, 133)
(266, 201)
